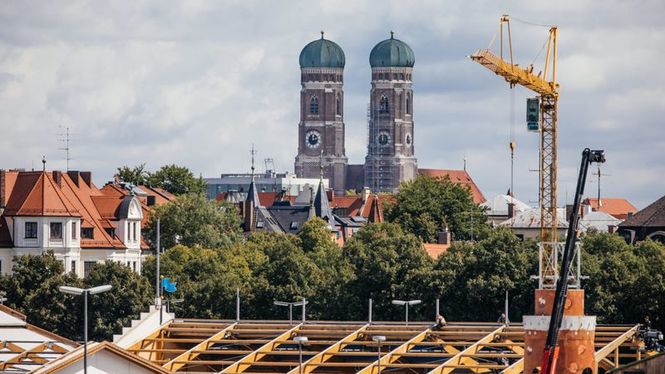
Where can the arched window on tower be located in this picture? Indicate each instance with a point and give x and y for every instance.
(314, 105)
(408, 104)
(338, 107)
(383, 105)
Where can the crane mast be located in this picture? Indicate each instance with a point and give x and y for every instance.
(544, 83)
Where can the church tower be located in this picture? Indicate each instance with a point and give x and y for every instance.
(390, 154)
(321, 127)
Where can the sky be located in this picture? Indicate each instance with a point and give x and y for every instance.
(196, 83)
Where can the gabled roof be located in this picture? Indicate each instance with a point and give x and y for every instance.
(76, 356)
(498, 205)
(651, 216)
(601, 221)
(457, 176)
(321, 206)
(38, 194)
(619, 208)
(530, 219)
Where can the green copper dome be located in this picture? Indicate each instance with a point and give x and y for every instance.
(392, 53)
(322, 53)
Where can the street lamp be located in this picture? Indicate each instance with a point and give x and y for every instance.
(378, 339)
(85, 292)
(407, 304)
(301, 340)
(303, 302)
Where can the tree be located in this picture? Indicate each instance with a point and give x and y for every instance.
(177, 180)
(388, 264)
(32, 289)
(336, 270)
(109, 312)
(426, 205)
(194, 220)
(471, 278)
(136, 175)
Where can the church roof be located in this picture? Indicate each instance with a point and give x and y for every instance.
(392, 53)
(322, 53)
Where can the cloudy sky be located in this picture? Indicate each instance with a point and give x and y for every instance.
(197, 82)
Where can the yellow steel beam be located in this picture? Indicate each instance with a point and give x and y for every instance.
(323, 356)
(516, 368)
(394, 355)
(615, 344)
(180, 360)
(247, 361)
(31, 355)
(457, 360)
(149, 341)
(514, 74)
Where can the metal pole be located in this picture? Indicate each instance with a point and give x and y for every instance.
(506, 308)
(378, 359)
(85, 332)
(290, 313)
(407, 314)
(300, 357)
(303, 310)
(237, 304)
(437, 309)
(370, 311)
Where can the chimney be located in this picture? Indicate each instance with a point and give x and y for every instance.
(511, 210)
(365, 194)
(569, 211)
(57, 177)
(87, 177)
(611, 229)
(444, 236)
(75, 177)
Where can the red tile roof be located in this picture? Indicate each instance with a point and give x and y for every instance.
(435, 250)
(457, 176)
(618, 208)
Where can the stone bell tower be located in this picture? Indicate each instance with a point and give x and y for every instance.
(390, 151)
(321, 127)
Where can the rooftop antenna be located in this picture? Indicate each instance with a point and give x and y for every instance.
(321, 164)
(270, 164)
(253, 152)
(599, 174)
(65, 138)
(43, 163)
(464, 160)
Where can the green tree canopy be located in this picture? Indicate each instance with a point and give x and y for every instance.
(111, 311)
(426, 205)
(388, 264)
(471, 278)
(194, 220)
(136, 175)
(178, 180)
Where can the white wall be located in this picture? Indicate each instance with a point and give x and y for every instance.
(105, 362)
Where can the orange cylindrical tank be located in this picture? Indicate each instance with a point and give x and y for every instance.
(576, 336)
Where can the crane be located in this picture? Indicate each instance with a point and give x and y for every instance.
(544, 84)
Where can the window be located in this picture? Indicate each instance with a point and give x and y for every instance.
(31, 230)
(56, 230)
(136, 231)
(260, 224)
(110, 231)
(74, 231)
(338, 107)
(134, 266)
(73, 267)
(383, 106)
(294, 225)
(314, 105)
(87, 232)
(408, 104)
(87, 267)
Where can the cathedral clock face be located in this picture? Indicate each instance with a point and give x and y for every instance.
(383, 138)
(313, 139)
(408, 140)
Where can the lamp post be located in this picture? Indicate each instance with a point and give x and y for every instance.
(406, 304)
(301, 340)
(291, 305)
(85, 292)
(378, 339)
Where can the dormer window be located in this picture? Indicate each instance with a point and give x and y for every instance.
(314, 105)
(87, 232)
